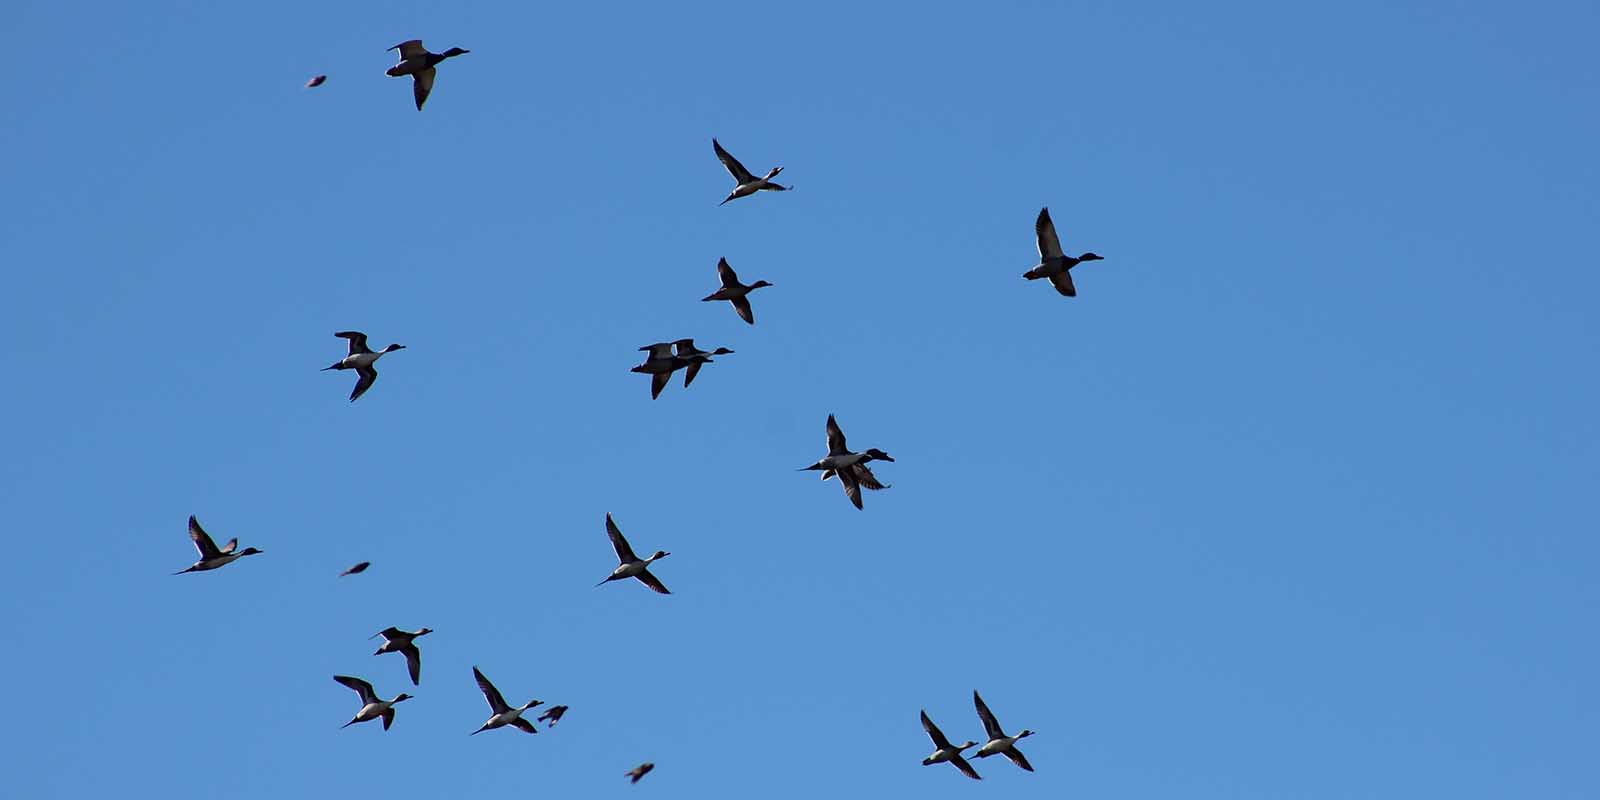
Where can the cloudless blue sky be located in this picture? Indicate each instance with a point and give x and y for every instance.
(1294, 500)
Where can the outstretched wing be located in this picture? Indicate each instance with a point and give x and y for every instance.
(1063, 283)
(624, 552)
(689, 372)
(422, 84)
(361, 687)
(1049, 243)
(934, 733)
(653, 582)
(863, 475)
(496, 703)
(358, 341)
(523, 725)
(202, 540)
(1018, 758)
(991, 726)
(367, 376)
(730, 279)
(966, 769)
(413, 663)
(732, 164)
(742, 305)
(659, 381)
(410, 49)
(836, 445)
(852, 488)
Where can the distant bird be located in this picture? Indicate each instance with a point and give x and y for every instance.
(632, 566)
(503, 714)
(552, 715)
(735, 292)
(695, 357)
(315, 82)
(660, 364)
(416, 61)
(747, 184)
(399, 641)
(362, 360)
(371, 707)
(945, 752)
(999, 742)
(1053, 263)
(357, 569)
(639, 772)
(212, 556)
(851, 468)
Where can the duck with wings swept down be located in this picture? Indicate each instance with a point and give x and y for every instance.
(416, 61)
(746, 183)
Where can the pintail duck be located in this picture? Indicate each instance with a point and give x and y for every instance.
(416, 61)
(357, 569)
(735, 292)
(659, 365)
(212, 556)
(371, 706)
(946, 752)
(639, 772)
(503, 714)
(851, 468)
(999, 742)
(632, 566)
(362, 360)
(694, 357)
(748, 184)
(399, 641)
(552, 715)
(1053, 263)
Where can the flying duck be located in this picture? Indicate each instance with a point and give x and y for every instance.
(362, 360)
(946, 752)
(632, 566)
(735, 292)
(399, 641)
(552, 715)
(316, 81)
(1053, 263)
(694, 357)
(357, 569)
(503, 714)
(371, 706)
(659, 365)
(999, 742)
(416, 61)
(212, 556)
(748, 184)
(639, 772)
(851, 468)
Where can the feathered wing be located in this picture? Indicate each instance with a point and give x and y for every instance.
(1045, 229)
(732, 164)
(358, 340)
(202, 540)
(650, 580)
(991, 726)
(966, 769)
(365, 377)
(361, 687)
(742, 305)
(497, 704)
(413, 663)
(729, 278)
(409, 49)
(1017, 758)
(938, 737)
(422, 85)
(1063, 283)
(624, 552)
(836, 443)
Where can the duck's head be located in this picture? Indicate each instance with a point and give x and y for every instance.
(773, 173)
(1025, 734)
(967, 745)
(1090, 257)
(248, 551)
(393, 347)
(402, 696)
(879, 455)
(660, 554)
(423, 631)
(532, 703)
(721, 351)
(759, 284)
(453, 52)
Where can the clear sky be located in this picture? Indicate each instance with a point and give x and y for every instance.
(1294, 500)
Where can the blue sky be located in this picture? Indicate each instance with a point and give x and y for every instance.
(1294, 500)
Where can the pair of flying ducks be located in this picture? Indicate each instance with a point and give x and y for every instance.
(665, 358)
(502, 713)
(998, 742)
